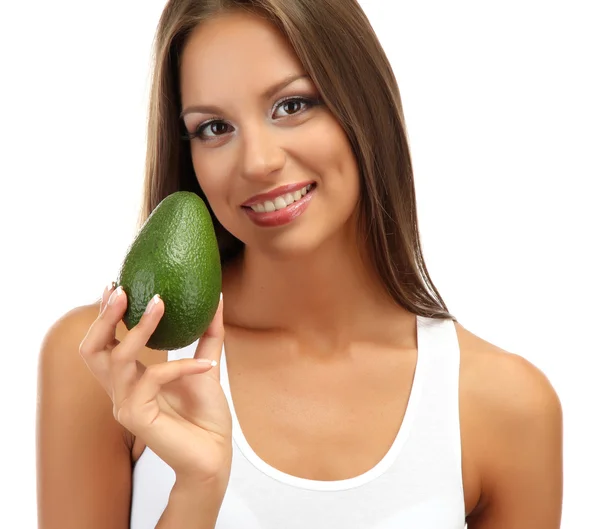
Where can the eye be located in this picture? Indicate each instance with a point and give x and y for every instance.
(209, 130)
(293, 105)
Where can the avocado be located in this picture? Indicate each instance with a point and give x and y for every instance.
(175, 254)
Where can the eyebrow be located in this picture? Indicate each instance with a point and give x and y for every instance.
(268, 93)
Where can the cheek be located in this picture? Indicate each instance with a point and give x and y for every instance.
(335, 162)
(213, 175)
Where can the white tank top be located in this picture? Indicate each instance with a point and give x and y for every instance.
(417, 484)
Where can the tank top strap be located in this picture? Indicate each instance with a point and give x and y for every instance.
(440, 419)
(439, 339)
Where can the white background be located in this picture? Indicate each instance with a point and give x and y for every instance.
(502, 107)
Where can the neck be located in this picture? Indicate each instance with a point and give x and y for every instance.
(331, 295)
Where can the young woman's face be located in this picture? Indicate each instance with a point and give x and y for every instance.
(275, 165)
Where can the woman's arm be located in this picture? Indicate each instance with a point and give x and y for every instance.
(83, 453)
(515, 420)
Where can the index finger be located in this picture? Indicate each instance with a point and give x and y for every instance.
(101, 336)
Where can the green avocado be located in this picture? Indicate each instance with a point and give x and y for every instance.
(176, 255)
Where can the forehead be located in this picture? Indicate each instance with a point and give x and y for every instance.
(235, 49)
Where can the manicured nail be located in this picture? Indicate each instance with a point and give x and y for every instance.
(152, 303)
(110, 286)
(115, 295)
(206, 361)
(221, 296)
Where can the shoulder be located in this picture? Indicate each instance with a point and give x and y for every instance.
(72, 324)
(59, 361)
(511, 424)
(65, 380)
(502, 384)
(65, 384)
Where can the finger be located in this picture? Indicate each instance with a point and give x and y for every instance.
(124, 372)
(140, 409)
(106, 295)
(102, 333)
(210, 344)
(101, 336)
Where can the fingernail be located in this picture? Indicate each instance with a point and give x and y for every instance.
(206, 361)
(221, 296)
(110, 286)
(115, 295)
(152, 303)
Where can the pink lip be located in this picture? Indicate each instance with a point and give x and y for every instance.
(273, 194)
(283, 216)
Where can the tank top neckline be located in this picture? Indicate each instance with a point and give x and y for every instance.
(373, 473)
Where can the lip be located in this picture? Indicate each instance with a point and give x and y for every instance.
(280, 217)
(273, 194)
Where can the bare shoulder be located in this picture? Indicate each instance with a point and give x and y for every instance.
(511, 423)
(504, 382)
(61, 368)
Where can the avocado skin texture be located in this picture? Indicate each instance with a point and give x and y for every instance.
(175, 255)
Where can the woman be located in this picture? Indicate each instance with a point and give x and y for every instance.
(333, 387)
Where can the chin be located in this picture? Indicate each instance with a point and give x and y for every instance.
(304, 242)
(283, 246)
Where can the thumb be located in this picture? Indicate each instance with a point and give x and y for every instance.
(210, 344)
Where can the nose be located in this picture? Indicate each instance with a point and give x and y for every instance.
(262, 156)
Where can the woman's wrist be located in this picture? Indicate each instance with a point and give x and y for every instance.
(194, 504)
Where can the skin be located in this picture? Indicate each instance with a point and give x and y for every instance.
(286, 312)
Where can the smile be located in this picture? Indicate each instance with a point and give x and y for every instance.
(282, 201)
(281, 209)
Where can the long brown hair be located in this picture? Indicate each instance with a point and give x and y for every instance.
(336, 44)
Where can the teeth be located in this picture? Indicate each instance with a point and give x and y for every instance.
(282, 201)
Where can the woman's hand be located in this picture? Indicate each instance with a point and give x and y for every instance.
(177, 408)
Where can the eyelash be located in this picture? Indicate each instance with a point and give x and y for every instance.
(197, 133)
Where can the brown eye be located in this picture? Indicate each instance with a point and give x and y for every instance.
(292, 106)
(218, 127)
(211, 129)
